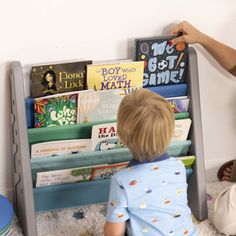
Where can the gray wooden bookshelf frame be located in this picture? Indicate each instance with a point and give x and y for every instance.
(23, 195)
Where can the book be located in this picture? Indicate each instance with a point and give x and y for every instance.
(58, 78)
(119, 75)
(104, 137)
(163, 63)
(99, 105)
(55, 177)
(181, 130)
(55, 110)
(187, 160)
(29, 107)
(106, 171)
(63, 147)
(179, 104)
(172, 90)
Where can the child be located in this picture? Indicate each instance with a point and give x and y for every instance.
(149, 197)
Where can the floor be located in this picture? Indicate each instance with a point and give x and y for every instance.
(89, 220)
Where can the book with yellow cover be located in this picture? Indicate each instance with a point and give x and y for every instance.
(120, 75)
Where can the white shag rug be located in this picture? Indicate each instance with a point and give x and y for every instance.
(89, 220)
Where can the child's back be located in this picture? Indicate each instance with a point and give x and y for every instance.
(149, 197)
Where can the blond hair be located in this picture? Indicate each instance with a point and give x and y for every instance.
(145, 123)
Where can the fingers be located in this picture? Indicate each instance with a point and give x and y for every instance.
(181, 39)
(226, 173)
(179, 28)
(225, 178)
(176, 30)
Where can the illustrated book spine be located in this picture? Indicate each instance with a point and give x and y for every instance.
(58, 78)
(121, 75)
(63, 147)
(56, 177)
(163, 63)
(55, 110)
(106, 171)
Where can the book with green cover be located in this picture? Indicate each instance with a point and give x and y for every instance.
(55, 110)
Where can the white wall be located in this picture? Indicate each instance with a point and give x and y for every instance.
(54, 30)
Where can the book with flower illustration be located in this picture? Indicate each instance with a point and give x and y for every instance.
(62, 147)
(58, 78)
(55, 177)
(104, 137)
(56, 110)
(164, 63)
(106, 171)
(116, 75)
(99, 105)
(179, 104)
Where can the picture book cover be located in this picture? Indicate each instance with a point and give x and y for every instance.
(104, 137)
(179, 104)
(58, 78)
(120, 75)
(99, 105)
(63, 147)
(181, 130)
(55, 177)
(163, 63)
(55, 110)
(106, 171)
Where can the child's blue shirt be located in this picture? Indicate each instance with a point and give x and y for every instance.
(152, 198)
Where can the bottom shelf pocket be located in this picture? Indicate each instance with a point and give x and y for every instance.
(71, 195)
(74, 195)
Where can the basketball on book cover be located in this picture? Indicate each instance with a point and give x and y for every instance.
(164, 63)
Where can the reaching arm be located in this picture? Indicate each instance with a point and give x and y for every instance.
(225, 55)
(114, 229)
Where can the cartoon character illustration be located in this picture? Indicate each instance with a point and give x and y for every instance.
(49, 82)
(107, 145)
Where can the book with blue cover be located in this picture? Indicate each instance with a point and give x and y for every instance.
(164, 63)
(173, 90)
